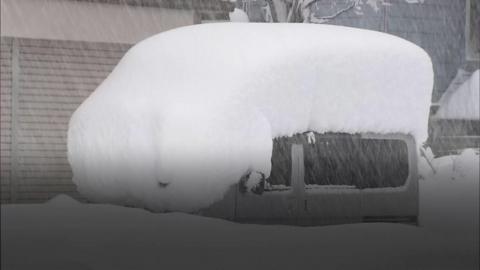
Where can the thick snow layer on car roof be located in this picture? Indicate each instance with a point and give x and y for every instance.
(464, 103)
(187, 112)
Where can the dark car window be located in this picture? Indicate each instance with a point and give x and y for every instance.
(281, 164)
(349, 160)
(339, 159)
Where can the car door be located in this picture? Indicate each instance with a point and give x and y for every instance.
(399, 200)
(354, 178)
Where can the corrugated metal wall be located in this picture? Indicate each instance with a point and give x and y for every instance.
(42, 83)
(5, 117)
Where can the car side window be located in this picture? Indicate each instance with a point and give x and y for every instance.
(349, 161)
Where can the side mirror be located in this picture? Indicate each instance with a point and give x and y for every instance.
(253, 181)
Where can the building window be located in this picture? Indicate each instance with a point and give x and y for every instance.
(472, 28)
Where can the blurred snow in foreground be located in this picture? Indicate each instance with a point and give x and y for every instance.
(65, 234)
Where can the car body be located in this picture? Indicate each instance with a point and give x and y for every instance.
(331, 178)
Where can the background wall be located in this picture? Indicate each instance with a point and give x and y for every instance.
(42, 83)
(88, 21)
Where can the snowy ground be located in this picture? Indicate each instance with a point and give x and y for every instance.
(65, 234)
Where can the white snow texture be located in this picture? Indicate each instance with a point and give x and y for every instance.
(238, 15)
(183, 115)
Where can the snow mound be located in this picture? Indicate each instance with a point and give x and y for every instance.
(63, 200)
(464, 103)
(238, 15)
(183, 116)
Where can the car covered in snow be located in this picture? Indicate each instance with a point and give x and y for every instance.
(306, 125)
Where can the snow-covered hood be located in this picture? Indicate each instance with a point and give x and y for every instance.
(194, 108)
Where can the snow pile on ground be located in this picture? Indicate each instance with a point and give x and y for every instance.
(183, 116)
(464, 103)
(238, 15)
(67, 235)
(449, 197)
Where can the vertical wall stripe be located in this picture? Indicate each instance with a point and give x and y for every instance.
(14, 118)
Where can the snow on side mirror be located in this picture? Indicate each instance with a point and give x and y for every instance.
(252, 181)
